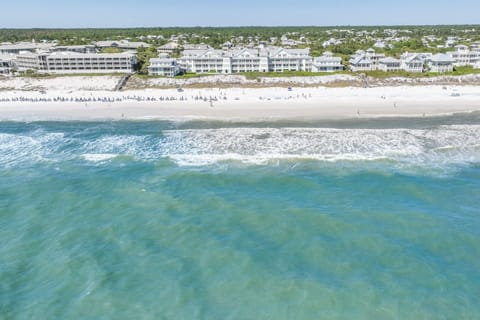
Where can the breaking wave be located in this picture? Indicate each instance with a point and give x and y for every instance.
(435, 146)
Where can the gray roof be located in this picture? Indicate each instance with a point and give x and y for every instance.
(327, 59)
(169, 46)
(360, 59)
(442, 58)
(26, 46)
(121, 44)
(389, 60)
(69, 54)
(75, 47)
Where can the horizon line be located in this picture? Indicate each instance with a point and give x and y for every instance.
(243, 26)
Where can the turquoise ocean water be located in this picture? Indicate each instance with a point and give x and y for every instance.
(208, 220)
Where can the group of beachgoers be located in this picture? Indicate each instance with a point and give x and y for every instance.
(139, 98)
(135, 98)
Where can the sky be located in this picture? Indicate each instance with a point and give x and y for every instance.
(160, 13)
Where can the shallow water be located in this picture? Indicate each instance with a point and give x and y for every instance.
(210, 220)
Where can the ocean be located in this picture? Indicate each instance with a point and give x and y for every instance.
(353, 219)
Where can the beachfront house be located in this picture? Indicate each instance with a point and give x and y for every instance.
(441, 63)
(360, 62)
(389, 64)
(374, 57)
(163, 66)
(412, 62)
(463, 56)
(327, 63)
(69, 62)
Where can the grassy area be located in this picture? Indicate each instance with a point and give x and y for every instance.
(373, 74)
(458, 71)
(111, 50)
(257, 75)
(183, 76)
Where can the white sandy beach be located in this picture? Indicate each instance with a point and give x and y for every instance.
(91, 99)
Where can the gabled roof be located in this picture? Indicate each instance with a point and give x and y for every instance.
(278, 52)
(389, 60)
(442, 58)
(169, 46)
(411, 58)
(327, 59)
(244, 53)
(360, 59)
(121, 44)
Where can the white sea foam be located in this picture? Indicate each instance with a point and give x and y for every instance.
(444, 145)
(37, 146)
(436, 146)
(99, 157)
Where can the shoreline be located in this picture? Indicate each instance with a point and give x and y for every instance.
(239, 104)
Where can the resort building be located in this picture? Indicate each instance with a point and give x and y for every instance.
(6, 64)
(163, 66)
(389, 64)
(31, 61)
(327, 63)
(281, 60)
(247, 60)
(204, 61)
(464, 57)
(68, 62)
(441, 63)
(270, 59)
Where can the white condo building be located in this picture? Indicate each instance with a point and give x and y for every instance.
(270, 59)
(68, 62)
(6, 63)
(204, 61)
(281, 60)
(327, 63)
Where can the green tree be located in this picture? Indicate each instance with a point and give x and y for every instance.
(143, 58)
